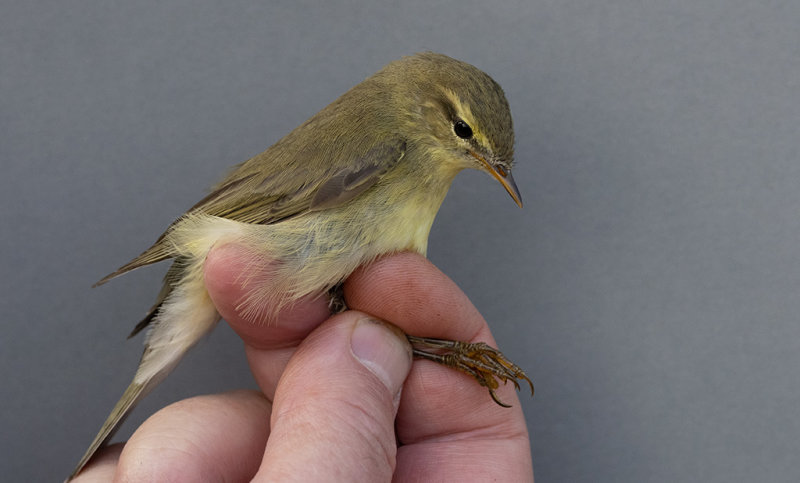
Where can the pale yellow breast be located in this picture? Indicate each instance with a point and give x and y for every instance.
(309, 254)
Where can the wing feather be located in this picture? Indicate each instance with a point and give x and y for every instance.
(252, 194)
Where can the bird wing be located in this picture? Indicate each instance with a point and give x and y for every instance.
(253, 195)
(266, 200)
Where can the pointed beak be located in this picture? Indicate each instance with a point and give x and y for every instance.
(503, 176)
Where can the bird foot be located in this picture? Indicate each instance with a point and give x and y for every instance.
(481, 361)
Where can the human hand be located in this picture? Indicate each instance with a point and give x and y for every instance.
(324, 415)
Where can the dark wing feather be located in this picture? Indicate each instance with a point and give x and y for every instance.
(348, 183)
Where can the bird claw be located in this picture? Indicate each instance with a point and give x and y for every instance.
(481, 361)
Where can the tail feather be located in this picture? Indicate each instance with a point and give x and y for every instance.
(133, 394)
(182, 320)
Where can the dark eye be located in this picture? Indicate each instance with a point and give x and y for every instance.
(462, 129)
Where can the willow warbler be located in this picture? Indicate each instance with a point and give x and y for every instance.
(363, 177)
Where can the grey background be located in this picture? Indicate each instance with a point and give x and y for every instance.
(650, 285)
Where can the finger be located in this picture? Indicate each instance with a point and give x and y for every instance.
(439, 404)
(268, 345)
(408, 290)
(224, 267)
(334, 408)
(218, 437)
(102, 466)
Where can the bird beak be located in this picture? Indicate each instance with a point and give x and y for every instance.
(503, 176)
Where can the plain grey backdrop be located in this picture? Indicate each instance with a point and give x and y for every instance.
(649, 286)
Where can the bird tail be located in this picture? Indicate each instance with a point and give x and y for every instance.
(183, 319)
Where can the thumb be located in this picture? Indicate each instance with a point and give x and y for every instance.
(334, 408)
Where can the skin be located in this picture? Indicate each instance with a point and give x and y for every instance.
(303, 425)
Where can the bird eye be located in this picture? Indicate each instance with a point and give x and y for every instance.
(462, 129)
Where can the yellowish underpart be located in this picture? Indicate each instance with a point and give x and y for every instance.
(313, 252)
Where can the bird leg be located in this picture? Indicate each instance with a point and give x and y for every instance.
(481, 361)
(336, 302)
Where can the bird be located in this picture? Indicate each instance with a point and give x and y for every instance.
(363, 177)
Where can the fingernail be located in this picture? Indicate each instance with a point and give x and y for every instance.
(384, 350)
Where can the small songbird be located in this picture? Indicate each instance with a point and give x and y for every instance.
(362, 178)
